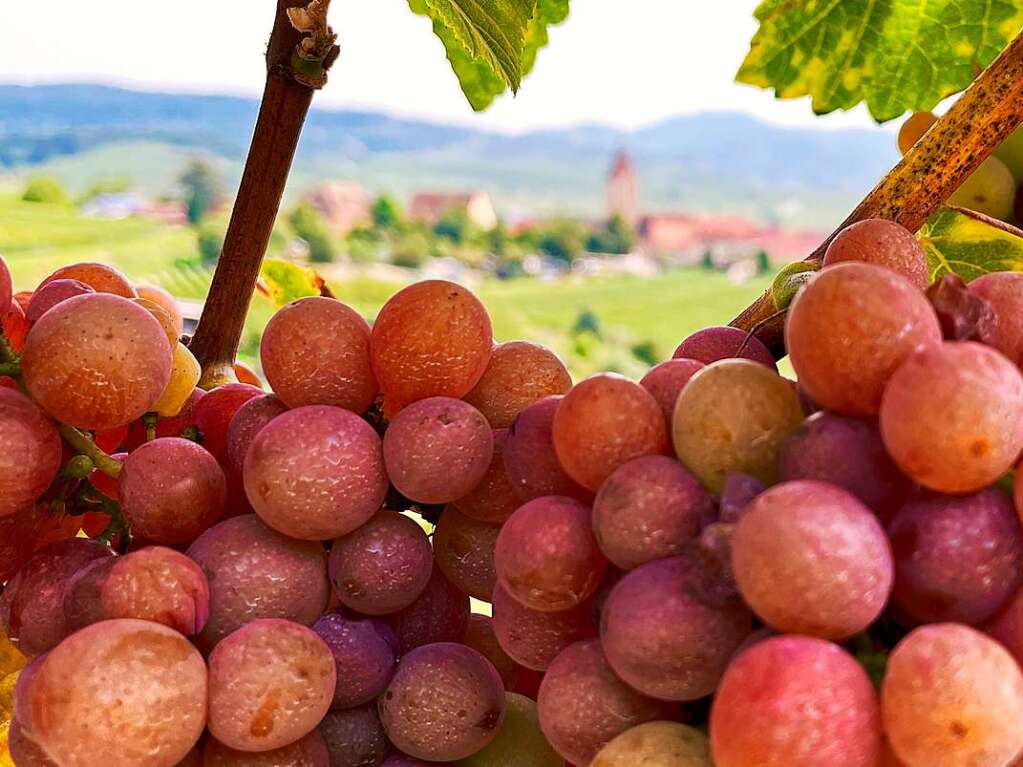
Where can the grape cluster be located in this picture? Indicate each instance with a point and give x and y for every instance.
(716, 566)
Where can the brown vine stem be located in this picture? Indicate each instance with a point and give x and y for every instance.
(986, 113)
(301, 50)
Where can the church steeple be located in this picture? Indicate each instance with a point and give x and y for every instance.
(621, 189)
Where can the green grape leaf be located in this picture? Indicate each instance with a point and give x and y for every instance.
(283, 282)
(895, 55)
(960, 241)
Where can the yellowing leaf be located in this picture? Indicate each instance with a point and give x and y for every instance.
(11, 659)
(959, 241)
(284, 281)
(7, 684)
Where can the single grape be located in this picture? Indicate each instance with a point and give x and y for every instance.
(355, 737)
(464, 549)
(24, 751)
(83, 591)
(795, 701)
(364, 653)
(6, 286)
(15, 326)
(382, 566)
(720, 343)
(494, 497)
(185, 373)
(734, 416)
(96, 361)
(546, 556)
(18, 535)
(952, 416)
(519, 742)
(883, 243)
(603, 422)
(962, 314)
(647, 509)
(444, 703)
(519, 374)
(162, 316)
(737, 493)
(533, 638)
(51, 294)
(271, 682)
(162, 298)
(32, 603)
(439, 614)
(30, 452)
(809, 558)
(99, 277)
(1007, 625)
(950, 697)
(480, 636)
(255, 572)
(246, 423)
(1003, 291)
(957, 558)
(916, 125)
(438, 449)
(656, 744)
(310, 751)
(315, 472)
(666, 381)
(849, 330)
(990, 190)
(315, 351)
(582, 704)
(213, 413)
(430, 339)
(530, 460)
(247, 375)
(124, 692)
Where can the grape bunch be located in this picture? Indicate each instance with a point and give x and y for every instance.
(422, 547)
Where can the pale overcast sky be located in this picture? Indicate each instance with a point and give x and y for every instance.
(605, 64)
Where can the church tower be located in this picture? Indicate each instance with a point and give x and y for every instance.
(621, 189)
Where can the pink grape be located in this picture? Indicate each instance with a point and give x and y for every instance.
(464, 549)
(364, 653)
(583, 705)
(797, 701)
(30, 452)
(809, 558)
(666, 381)
(438, 449)
(439, 614)
(533, 638)
(25, 751)
(355, 737)
(124, 692)
(316, 472)
(255, 572)
(647, 509)
(952, 696)
(445, 702)
(6, 286)
(957, 558)
(546, 555)
(32, 603)
(669, 627)
(529, 458)
(382, 566)
(162, 298)
(310, 751)
(882, 243)
(51, 294)
(1003, 292)
(18, 534)
(99, 277)
(315, 351)
(96, 361)
(271, 682)
(480, 636)
(721, 343)
(849, 330)
(245, 424)
(952, 416)
(603, 422)
(14, 326)
(519, 374)
(213, 413)
(83, 592)
(494, 497)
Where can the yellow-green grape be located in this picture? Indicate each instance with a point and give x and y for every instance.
(1011, 153)
(990, 189)
(185, 374)
(162, 316)
(789, 280)
(914, 128)
(520, 742)
(733, 416)
(656, 744)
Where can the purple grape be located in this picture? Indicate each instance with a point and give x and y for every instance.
(738, 491)
(439, 614)
(719, 343)
(355, 737)
(364, 653)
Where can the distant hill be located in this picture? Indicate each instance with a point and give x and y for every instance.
(715, 161)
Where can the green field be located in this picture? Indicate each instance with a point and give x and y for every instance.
(625, 319)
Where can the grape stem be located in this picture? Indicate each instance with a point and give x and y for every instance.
(12, 369)
(7, 354)
(301, 50)
(986, 113)
(85, 445)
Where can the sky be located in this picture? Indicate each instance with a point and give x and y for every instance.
(604, 64)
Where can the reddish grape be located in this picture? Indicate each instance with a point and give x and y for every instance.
(1003, 292)
(605, 421)
(30, 451)
(430, 339)
(213, 413)
(464, 549)
(24, 751)
(18, 534)
(109, 440)
(160, 585)
(533, 638)
(494, 498)
(519, 374)
(529, 458)
(438, 449)
(364, 652)
(355, 738)
(546, 555)
(51, 294)
(315, 351)
(14, 326)
(882, 243)
(6, 286)
(480, 636)
(310, 751)
(246, 375)
(316, 472)
(656, 744)
(162, 298)
(439, 614)
(271, 682)
(647, 509)
(957, 558)
(96, 361)
(719, 343)
(1007, 625)
(583, 705)
(445, 702)
(255, 572)
(809, 558)
(171, 490)
(162, 316)
(666, 381)
(382, 566)
(795, 701)
(952, 416)
(83, 591)
(950, 697)
(99, 277)
(245, 425)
